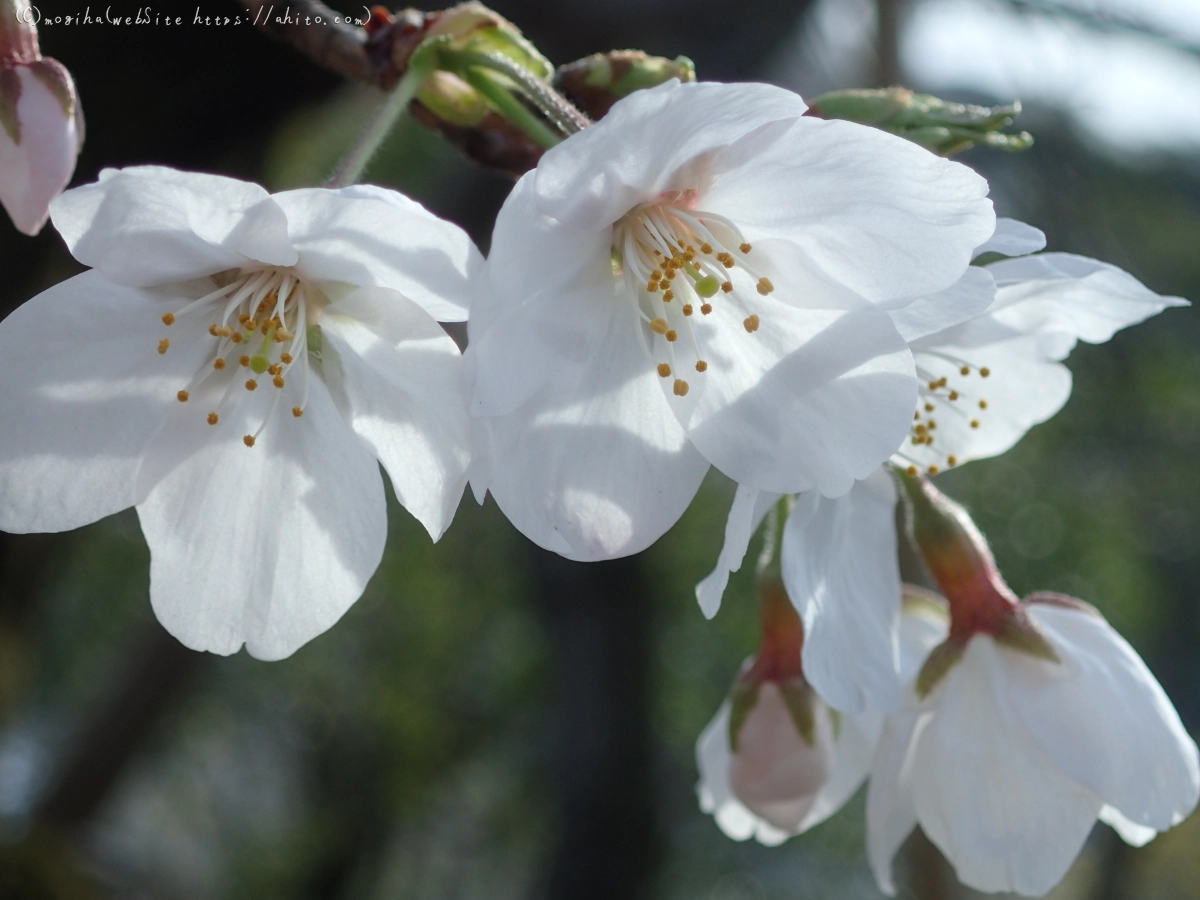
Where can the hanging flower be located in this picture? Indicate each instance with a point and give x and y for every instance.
(988, 353)
(776, 760)
(41, 122)
(1029, 723)
(233, 364)
(699, 279)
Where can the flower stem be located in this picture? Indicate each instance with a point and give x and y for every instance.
(563, 114)
(355, 162)
(510, 107)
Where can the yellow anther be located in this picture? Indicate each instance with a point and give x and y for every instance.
(183, 396)
(706, 308)
(764, 286)
(285, 358)
(983, 404)
(965, 370)
(921, 429)
(942, 382)
(681, 387)
(277, 381)
(237, 337)
(272, 369)
(917, 415)
(282, 334)
(727, 286)
(953, 395)
(244, 361)
(213, 418)
(745, 248)
(655, 275)
(706, 247)
(248, 440)
(668, 296)
(952, 460)
(168, 318)
(163, 345)
(671, 336)
(266, 327)
(218, 364)
(701, 366)
(985, 372)
(689, 254)
(974, 423)
(929, 407)
(912, 471)
(664, 370)
(687, 309)
(933, 470)
(212, 329)
(297, 411)
(658, 326)
(751, 323)
(932, 425)
(652, 286)
(726, 260)
(244, 318)
(251, 384)
(933, 385)
(251, 324)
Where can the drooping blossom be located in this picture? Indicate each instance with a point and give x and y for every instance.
(986, 379)
(789, 762)
(701, 279)
(233, 365)
(1030, 722)
(41, 122)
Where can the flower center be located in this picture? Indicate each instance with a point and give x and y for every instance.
(951, 395)
(676, 260)
(258, 319)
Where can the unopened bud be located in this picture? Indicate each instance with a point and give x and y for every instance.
(41, 123)
(943, 127)
(784, 753)
(475, 28)
(596, 82)
(452, 100)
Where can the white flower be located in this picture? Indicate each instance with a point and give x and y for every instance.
(779, 782)
(1006, 326)
(232, 365)
(41, 130)
(1010, 760)
(699, 279)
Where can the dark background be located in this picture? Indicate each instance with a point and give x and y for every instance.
(489, 720)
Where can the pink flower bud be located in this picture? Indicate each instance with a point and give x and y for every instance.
(41, 123)
(778, 770)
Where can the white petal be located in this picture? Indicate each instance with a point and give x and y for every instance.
(33, 172)
(856, 742)
(875, 212)
(151, 225)
(891, 815)
(1024, 387)
(840, 569)
(397, 377)
(84, 389)
(653, 141)
(543, 307)
(1104, 719)
(267, 545)
(1012, 238)
(370, 236)
(1082, 297)
(814, 399)
(1005, 816)
(749, 508)
(964, 300)
(596, 467)
(714, 759)
(1131, 833)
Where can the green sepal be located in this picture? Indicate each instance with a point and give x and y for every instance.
(473, 27)
(742, 699)
(945, 656)
(801, 703)
(314, 340)
(10, 95)
(1019, 632)
(940, 126)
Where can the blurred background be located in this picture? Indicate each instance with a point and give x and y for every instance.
(488, 720)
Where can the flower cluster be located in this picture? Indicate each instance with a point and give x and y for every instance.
(706, 278)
